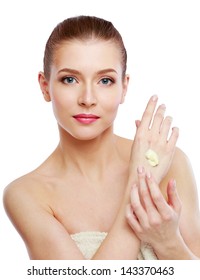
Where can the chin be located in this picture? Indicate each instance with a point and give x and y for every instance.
(85, 137)
(86, 134)
(90, 135)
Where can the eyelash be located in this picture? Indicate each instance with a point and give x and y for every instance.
(67, 78)
(111, 81)
(74, 80)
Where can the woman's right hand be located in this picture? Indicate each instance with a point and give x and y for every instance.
(153, 132)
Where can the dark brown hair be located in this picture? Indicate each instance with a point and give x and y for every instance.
(82, 28)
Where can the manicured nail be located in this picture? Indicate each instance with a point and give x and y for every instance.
(148, 174)
(140, 169)
(163, 106)
(176, 129)
(169, 118)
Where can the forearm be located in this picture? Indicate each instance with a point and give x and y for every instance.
(176, 249)
(120, 243)
(120, 246)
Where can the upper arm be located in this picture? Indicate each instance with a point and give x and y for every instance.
(43, 234)
(187, 190)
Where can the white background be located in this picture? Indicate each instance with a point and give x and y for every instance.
(163, 43)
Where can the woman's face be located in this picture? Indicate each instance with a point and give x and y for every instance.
(85, 87)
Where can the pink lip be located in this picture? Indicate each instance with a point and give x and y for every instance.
(86, 118)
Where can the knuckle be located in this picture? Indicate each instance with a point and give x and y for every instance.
(154, 222)
(140, 231)
(128, 213)
(129, 217)
(146, 227)
(157, 197)
(140, 135)
(148, 114)
(159, 115)
(144, 193)
(136, 206)
(167, 217)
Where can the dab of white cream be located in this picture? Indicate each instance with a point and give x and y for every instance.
(152, 157)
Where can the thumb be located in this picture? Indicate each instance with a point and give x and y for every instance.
(137, 123)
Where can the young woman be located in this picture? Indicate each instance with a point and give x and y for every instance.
(100, 196)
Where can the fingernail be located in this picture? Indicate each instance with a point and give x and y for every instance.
(154, 98)
(170, 119)
(175, 129)
(163, 106)
(148, 174)
(137, 123)
(140, 169)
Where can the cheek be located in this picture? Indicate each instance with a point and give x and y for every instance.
(60, 108)
(111, 106)
(112, 100)
(61, 101)
(57, 104)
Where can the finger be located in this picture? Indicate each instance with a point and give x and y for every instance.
(157, 197)
(148, 204)
(149, 111)
(144, 190)
(173, 137)
(164, 131)
(151, 213)
(173, 197)
(158, 119)
(137, 206)
(137, 123)
(132, 219)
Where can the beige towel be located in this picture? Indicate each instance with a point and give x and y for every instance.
(88, 243)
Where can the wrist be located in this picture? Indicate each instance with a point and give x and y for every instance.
(174, 249)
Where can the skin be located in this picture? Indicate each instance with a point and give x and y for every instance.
(97, 181)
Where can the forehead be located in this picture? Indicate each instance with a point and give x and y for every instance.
(88, 54)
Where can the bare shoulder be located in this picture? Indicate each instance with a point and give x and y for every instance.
(25, 190)
(181, 170)
(180, 155)
(24, 184)
(27, 204)
(181, 167)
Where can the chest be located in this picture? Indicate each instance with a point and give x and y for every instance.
(83, 206)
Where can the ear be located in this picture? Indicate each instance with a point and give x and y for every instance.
(44, 86)
(124, 88)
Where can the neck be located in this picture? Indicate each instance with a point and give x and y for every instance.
(85, 156)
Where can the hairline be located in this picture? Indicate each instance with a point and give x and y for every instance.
(81, 39)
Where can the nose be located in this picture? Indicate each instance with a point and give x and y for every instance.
(87, 97)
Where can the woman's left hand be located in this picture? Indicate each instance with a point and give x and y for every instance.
(153, 219)
(153, 134)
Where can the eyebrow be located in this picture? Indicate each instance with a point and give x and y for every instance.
(74, 71)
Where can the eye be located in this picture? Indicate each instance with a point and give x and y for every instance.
(106, 81)
(69, 80)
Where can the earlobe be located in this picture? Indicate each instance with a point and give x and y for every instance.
(44, 86)
(125, 88)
